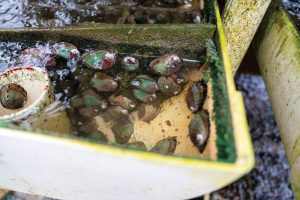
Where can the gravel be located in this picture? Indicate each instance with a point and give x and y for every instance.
(270, 176)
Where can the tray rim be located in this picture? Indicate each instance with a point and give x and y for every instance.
(247, 153)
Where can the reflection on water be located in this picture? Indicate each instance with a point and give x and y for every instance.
(59, 13)
(9, 52)
(111, 98)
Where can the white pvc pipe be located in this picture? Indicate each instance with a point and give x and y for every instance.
(37, 85)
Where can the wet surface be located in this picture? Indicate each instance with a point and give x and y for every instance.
(270, 177)
(59, 13)
(105, 100)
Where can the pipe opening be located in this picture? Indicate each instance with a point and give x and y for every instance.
(23, 92)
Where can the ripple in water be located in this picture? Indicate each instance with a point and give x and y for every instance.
(60, 13)
(9, 51)
(9, 57)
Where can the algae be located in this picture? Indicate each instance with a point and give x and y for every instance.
(209, 13)
(239, 33)
(186, 40)
(221, 111)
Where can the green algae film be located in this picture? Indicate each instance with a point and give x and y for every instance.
(222, 116)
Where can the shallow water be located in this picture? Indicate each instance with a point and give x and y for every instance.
(9, 52)
(60, 13)
(105, 113)
(71, 83)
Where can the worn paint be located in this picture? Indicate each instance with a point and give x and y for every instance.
(277, 49)
(241, 19)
